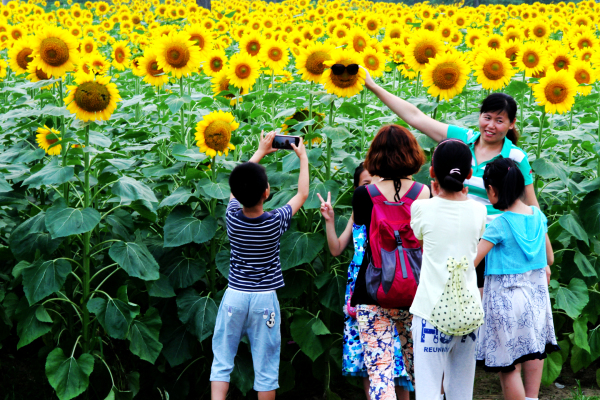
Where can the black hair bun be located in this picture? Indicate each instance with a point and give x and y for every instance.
(452, 183)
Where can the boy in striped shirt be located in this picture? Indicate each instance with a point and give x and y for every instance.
(250, 306)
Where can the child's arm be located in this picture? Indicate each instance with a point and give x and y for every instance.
(336, 245)
(483, 248)
(549, 257)
(265, 146)
(303, 180)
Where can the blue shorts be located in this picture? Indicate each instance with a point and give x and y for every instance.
(257, 316)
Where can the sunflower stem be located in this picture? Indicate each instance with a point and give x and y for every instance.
(363, 100)
(86, 245)
(65, 147)
(183, 134)
(328, 164)
(310, 114)
(521, 121)
(417, 87)
(437, 105)
(539, 148)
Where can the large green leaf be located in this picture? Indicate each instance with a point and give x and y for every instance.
(214, 190)
(42, 278)
(308, 338)
(552, 367)
(579, 359)
(135, 259)
(580, 333)
(31, 236)
(116, 394)
(589, 212)
(550, 169)
(585, 266)
(572, 224)
(594, 343)
(332, 293)
(114, 315)
(5, 187)
(184, 272)
(572, 298)
(33, 323)
(128, 189)
(222, 260)
(182, 228)
(51, 174)
(64, 221)
(69, 377)
(160, 288)
(143, 336)
(198, 313)
(177, 342)
(321, 188)
(242, 375)
(299, 247)
(179, 196)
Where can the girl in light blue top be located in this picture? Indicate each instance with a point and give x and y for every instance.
(518, 331)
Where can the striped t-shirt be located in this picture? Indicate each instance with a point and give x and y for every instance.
(254, 261)
(475, 184)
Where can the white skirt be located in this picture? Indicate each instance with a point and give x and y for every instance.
(518, 323)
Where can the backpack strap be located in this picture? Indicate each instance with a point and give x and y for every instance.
(376, 195)
(414, 191)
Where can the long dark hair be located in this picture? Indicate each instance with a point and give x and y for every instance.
(504, 175)
(451, 162)
(499, 102)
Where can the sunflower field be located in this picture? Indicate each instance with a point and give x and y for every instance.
(120, 123)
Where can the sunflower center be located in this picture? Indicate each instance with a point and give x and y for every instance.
(177, 56)
(275, 54)
(493, 70)
(243, 71)
(372, 62)
(446, 75)
(556, 92)
(16, 34)
(120, 56)
(23, 58)
(153, 69)
(494, 44)
(92, 97)
(539, 32)
(54, 51)
(560, 63)
(199, 40)
(253, 48)
(314, 62)
(41, 75)
(582, 77)
(217, 135)
(216, 64)
(344, 80)
(583, 43)
(531, 60)
(446, 32)
(423, 52)
(395, 34)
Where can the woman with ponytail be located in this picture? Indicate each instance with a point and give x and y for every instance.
(519, 329)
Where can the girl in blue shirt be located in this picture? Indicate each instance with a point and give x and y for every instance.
(518, 329)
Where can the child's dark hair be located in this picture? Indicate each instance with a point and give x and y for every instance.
(451, 162)
(248, 181)
(499, 102)
(504, 175)
(359, 170)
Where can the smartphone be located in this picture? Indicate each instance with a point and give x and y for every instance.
(285, 141)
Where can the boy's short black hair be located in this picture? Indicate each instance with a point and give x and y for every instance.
(504, 175)
(248, 181)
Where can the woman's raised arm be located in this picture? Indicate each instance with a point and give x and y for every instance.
(414, 117)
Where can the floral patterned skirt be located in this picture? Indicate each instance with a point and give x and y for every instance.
(518, 320)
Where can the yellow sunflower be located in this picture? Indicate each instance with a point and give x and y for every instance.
(46, 137)
(3, 71)
(149, 69)
(556, 91)
(511, 49)
(93, 98)
(215, 62)
(492, 69)
(310, 61)
(583, 40)
(358, 40)
(19, 56)
(561, 59)
(243, 70)
(344, 85)
(202, 39)
(275, 55)
(421, 48)
(177, 54)
(213, 133)
(584, 74)
(539, 30)
(251, 43)
(220, 84)
(373, 61)
(446, 75)
(121, 55)
(302, 115)
(35, 75)
(88, 45)
(531, 59)
(54, 51)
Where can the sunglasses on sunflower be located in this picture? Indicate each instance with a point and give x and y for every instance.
(338, 69)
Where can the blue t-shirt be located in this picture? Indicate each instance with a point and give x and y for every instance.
(254, 261)
(520, 243)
